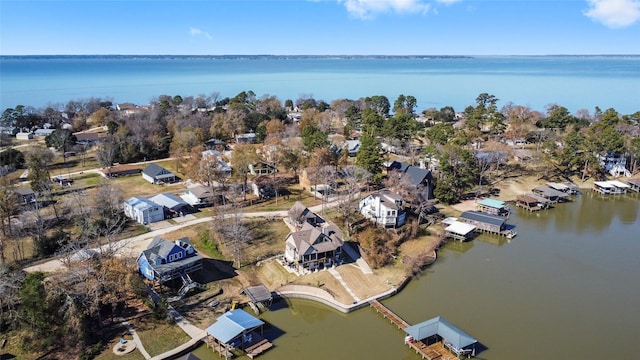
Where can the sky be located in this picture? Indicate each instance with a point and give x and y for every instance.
(320, 27)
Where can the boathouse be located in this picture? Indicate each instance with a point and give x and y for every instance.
(489, 223)
(634, 184)
(565, 187)
(529, 202)
(439, 330)
(458, 230)
(260, 297)
(550, 194)
(493, 207)
(237, 329)
(611, 187)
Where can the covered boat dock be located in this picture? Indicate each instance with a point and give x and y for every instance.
(488, 223)
(565, 187)
(493, 207)
(550, 194)
(260, 297)
(237, 329)
(634, 184)
(611, 187)
(532, 202)
(436, 334)
(460, 231)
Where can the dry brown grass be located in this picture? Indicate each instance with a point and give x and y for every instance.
(326, 281)
(363, 285)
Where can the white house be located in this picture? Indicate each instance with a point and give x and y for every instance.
(198, 195)
(175, 205)
(143, 210)
(24, 136)
(383, 207)
(615, 164)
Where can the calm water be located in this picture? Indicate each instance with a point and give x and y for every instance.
(565, 288)
(573, 82)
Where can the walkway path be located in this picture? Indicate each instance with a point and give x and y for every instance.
(336, 275)
(136, 338)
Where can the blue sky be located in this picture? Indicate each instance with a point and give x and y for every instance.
(325, 27)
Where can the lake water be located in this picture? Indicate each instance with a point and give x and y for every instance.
(571, 81)
(565, 288)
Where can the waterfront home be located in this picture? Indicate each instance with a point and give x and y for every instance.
(489, 223)
(414, 175)
(383, 207)
(493, 207)
(614, 163)
(437, 335)
(143, 210)
(156, 174)
(165, 260)
(237, 329)
(312, 244)
(174, 205)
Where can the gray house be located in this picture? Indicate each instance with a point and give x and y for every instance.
(156, 174)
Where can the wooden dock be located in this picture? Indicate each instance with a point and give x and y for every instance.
(436, 351)
(388, 314)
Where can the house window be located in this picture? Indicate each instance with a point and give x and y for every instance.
(388, 213)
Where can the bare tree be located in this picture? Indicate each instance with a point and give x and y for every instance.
(231, 230)
(354, 178)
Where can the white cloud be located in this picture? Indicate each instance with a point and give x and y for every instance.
(448, 2)
(369, 8)
(614, 13)
(198, 32)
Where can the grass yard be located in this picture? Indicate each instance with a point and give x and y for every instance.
(158, 338)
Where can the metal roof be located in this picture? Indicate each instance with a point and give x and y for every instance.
(439, 326)
(460, 228)
(547, 191)
(233, 323)
(483, 217)
(169, 201)
(492, 203)
(140, 203)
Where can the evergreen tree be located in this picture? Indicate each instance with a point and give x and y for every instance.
(370, 156)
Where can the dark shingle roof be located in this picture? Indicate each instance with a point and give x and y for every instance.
(417, 175)
(153, 170)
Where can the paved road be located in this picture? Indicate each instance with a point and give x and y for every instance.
(134, 245)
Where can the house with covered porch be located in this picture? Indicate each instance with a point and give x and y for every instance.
(383, 207)
(165, 260)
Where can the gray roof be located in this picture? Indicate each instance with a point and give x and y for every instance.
(154, 170)
(311, 240)
(483, 217)
(258, 293)
(547, 191)
(201, 191)
(398, 165)
(417, 175)
(439, 326)
(233, 323)
(169, 201)
(161, 247)
(140, 203)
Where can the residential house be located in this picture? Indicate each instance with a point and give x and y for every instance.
(299, 215)
(313, 244)
(215, 144)
(164, 260)
(262, 168)
(120, 170)
(143, 211)
(129, 109)
(614, 163)
(413, 174)
(249, 138)
(24, 136)
(352, 147)
(383, 207)
(9, 130)
(198, 195)
(87, 139)
(44, 132)
(174, 206)
(26, 196)
(156, 174)
(221, 165)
